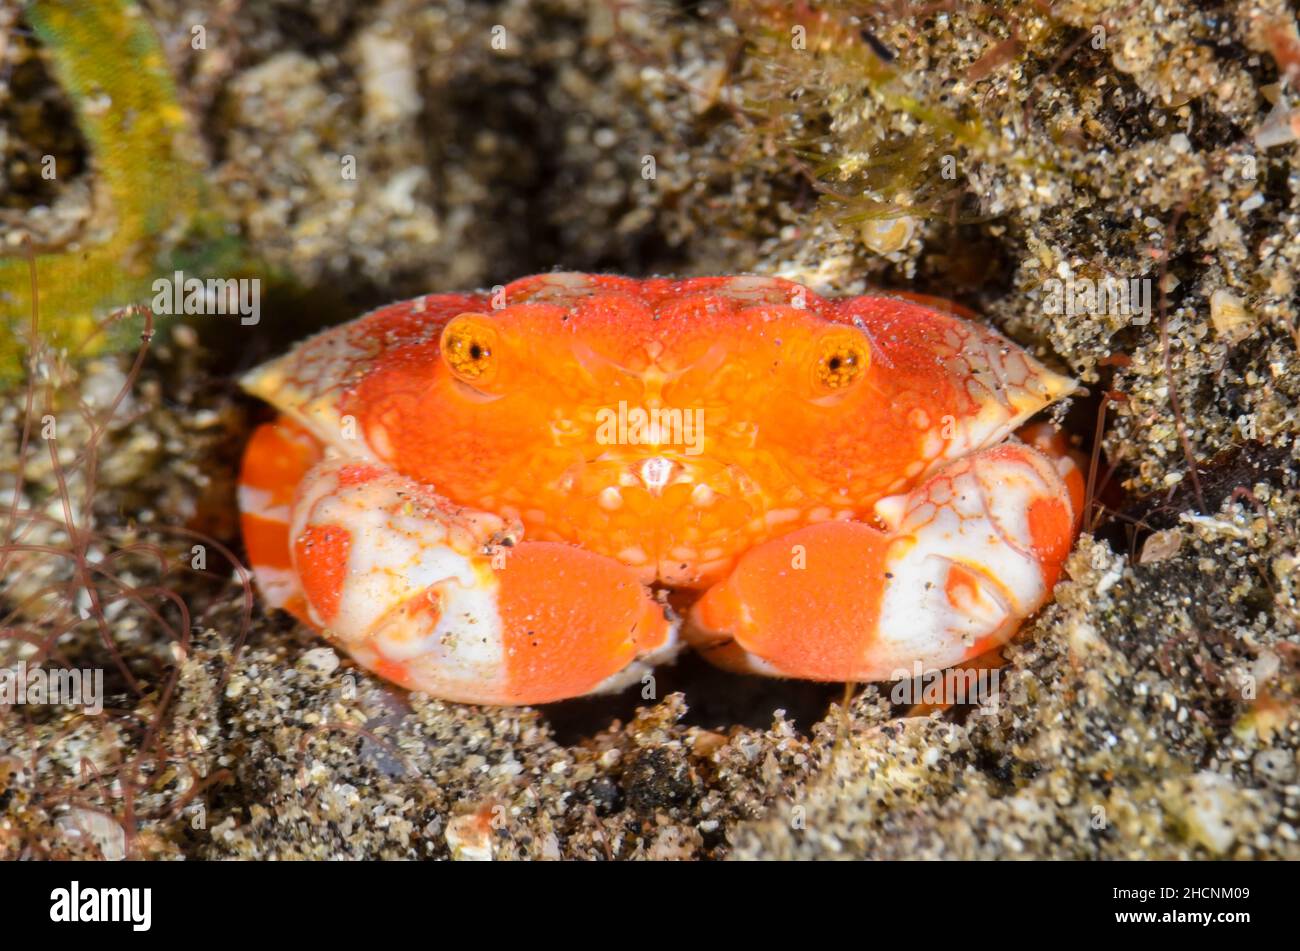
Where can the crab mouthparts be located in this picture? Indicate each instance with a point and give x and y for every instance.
(655, 473)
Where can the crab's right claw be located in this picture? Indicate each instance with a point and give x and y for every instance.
(437, 597)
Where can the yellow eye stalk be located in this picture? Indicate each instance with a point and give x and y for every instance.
(841, 361)
(469, 345)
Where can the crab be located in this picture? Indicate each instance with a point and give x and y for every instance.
(541, 492)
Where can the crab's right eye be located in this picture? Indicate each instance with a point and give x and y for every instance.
(470, 347)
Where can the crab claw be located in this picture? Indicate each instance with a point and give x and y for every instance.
(963, 559)
(437, 597)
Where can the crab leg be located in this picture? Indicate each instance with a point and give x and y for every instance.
(279, 454)
(444, 599)
(963, 559)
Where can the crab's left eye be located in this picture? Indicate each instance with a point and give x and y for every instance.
(469, 346)
(842, 359)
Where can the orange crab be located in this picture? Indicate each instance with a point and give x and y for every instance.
(490, 497)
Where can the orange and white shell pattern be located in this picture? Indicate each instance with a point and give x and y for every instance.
(489, 498)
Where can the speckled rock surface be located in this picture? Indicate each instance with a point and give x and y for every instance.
(974, 153)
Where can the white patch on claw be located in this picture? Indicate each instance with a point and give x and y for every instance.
(417, 590)
(965, 569)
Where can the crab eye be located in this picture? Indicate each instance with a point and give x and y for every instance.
(469, 348)
(842, 359)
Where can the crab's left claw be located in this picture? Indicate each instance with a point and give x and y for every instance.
(963, 559)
